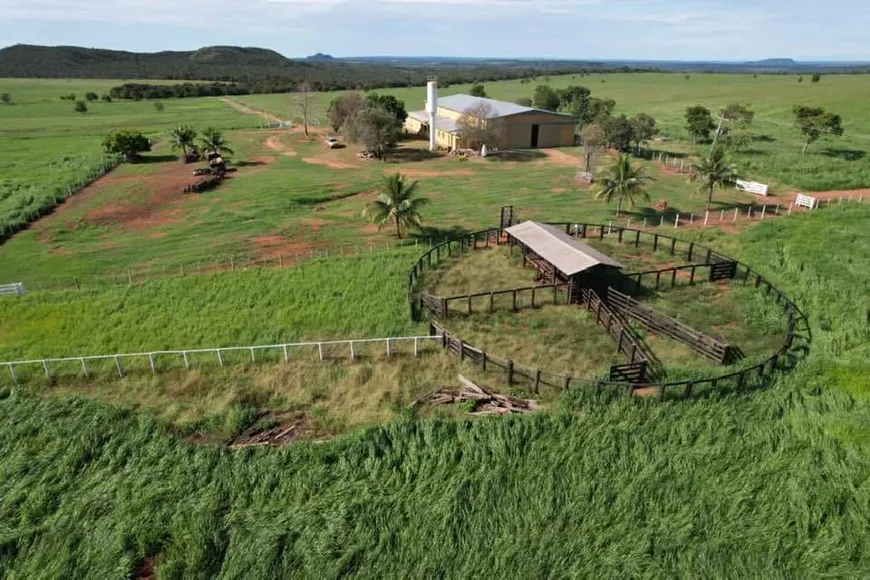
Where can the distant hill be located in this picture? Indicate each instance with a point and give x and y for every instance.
(320, 56)
(210, 63)
(259, 69)
(786, 62)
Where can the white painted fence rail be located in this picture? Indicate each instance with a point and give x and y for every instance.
(806, 201)
(182, 356)
(17, 288)
(752, 187)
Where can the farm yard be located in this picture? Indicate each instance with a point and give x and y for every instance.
(320, 461)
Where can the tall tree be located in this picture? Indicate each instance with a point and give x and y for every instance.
(213, 142)
(598, 111)
(699, 122)
(643, 128)
(593, 138)
(815, 122)
(736, 120)
(623, 182)
(713, 172)
(344, 107)
(128, 144)
(303, 104)
(574, 100)
(397, 203)
(374, 127)
(390, 104)
(476, 126)
(619, 132)
(477, 90)
(546, 98)
(183, 138)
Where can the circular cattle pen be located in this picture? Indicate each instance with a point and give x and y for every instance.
(627, 283)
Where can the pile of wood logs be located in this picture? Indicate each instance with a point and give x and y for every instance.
(485, 402)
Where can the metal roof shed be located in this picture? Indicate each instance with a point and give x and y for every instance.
(566, 254)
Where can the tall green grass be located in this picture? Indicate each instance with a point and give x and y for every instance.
(339, 298)
(773, 484)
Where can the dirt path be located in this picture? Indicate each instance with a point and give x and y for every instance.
(561, 158)
(274, 143)
(248, 110)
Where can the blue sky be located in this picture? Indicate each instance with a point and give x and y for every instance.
(583, 29)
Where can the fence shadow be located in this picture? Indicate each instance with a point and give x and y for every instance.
(149, 159)
(844, 154)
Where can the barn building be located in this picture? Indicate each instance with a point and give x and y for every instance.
(517, 127)
(560, 258)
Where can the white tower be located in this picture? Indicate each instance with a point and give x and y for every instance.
(432, 108)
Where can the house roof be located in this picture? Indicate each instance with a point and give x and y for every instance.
(460, 103)
(441, 123)
(568, 255)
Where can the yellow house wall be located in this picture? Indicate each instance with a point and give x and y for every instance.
(412, 125)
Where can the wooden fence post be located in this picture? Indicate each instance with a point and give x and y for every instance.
(510, 372)
(687, 392)
(537, 381)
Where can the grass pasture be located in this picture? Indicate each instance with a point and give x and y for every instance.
(773, 483)
(111, 478)
(774, 157)
(46, 147)
(292, 196)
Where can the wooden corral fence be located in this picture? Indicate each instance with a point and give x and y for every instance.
(794, 347)
(662, 324)
(444, 250)
(489, 302)
(17, 289)
(174, 359)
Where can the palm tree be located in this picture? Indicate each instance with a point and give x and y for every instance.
(624, 182)
(213, 142)
(183, 137)
(396, 204)
(713, 172)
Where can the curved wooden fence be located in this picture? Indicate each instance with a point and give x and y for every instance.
(755, 376)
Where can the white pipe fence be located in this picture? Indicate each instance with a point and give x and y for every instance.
(17, 289)
(183, 356)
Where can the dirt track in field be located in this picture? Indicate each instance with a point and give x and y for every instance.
(241, 107)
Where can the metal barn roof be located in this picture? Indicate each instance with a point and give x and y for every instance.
(441, 123)
(460, 103)
(568, 255)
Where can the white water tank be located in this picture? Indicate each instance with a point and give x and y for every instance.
(432, 108)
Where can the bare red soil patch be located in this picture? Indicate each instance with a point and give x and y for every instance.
(165, 189)
(145, 570)
(268, 247)
(561, 158)
(274, 143)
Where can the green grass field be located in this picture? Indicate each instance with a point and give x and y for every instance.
(770, 484)
(280, 204)
(46, 147)
(774, 158)
(104, 477)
